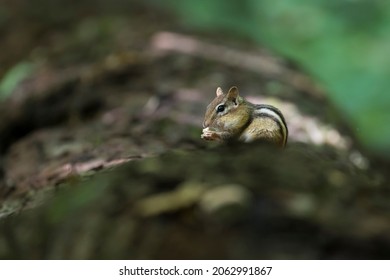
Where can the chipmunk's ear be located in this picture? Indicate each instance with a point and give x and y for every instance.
(219, 91)
(232, 94)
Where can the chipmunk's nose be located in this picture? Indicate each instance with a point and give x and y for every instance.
(205, 124)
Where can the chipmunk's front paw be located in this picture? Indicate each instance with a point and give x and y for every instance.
(210, 135)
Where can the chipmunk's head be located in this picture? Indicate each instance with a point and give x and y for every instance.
(222, 105)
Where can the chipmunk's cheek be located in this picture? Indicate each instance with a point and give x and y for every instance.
(229, 123)
(214, 125)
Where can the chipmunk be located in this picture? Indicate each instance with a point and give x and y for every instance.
(230, 117)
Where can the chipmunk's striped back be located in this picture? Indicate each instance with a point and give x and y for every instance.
(269, 111)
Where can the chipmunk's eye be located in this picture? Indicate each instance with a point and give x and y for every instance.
(220, 108)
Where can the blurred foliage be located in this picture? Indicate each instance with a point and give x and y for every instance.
(344, 44)
(13, 77)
